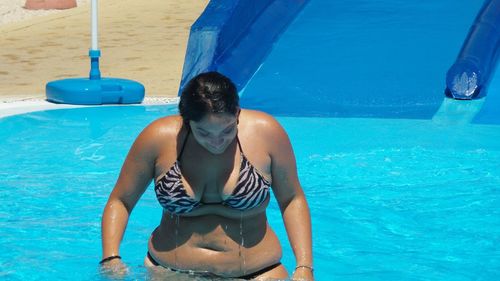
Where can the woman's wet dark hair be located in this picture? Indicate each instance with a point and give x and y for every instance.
(209, 92)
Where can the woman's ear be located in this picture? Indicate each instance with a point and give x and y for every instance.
(238, 116)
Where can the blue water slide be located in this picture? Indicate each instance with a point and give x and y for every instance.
(468, 77)
(342, 58)
(233, 37)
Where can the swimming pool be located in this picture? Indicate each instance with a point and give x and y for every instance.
(390, 199)
(409, 192)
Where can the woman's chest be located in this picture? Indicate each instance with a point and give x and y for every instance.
(210, 180)
(206, 179)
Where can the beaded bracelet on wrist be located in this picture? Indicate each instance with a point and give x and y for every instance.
(305, 266)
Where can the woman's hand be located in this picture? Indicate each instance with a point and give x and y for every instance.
(303, 274)
(113, 269)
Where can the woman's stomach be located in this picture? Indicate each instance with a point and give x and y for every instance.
(223, 246)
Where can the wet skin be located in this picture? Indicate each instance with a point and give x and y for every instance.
(214, 238)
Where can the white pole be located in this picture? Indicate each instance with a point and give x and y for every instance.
(93, 7)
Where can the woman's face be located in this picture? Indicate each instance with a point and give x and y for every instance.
(215, 131)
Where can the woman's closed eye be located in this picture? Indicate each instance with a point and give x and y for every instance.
(227, 131)
(203, 133)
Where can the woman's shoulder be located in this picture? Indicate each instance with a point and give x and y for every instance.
(259, 121)
(162, 129)
(167, 124)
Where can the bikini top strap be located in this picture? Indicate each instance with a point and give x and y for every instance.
(184, 144)
(239, 144)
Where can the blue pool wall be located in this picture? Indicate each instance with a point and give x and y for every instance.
(233, 37)
(478, 56)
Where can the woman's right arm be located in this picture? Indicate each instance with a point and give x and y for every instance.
(135, 176)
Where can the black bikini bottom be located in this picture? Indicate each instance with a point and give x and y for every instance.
(245, 277)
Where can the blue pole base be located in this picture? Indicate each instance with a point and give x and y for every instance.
(85, 91)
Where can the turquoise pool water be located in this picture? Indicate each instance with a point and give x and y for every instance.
(399, 195)
(391, 199)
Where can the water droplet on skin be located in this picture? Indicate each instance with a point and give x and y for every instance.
(242, 256)
(176, 240)
(225, 239)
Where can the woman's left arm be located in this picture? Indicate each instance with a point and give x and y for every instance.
(291, 200)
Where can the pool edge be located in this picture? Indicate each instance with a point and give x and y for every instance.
(20, 106)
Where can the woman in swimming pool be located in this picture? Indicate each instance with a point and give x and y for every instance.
(213, 167)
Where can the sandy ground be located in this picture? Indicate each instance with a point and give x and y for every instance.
(139, 40)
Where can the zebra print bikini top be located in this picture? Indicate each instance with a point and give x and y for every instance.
(251, 189)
